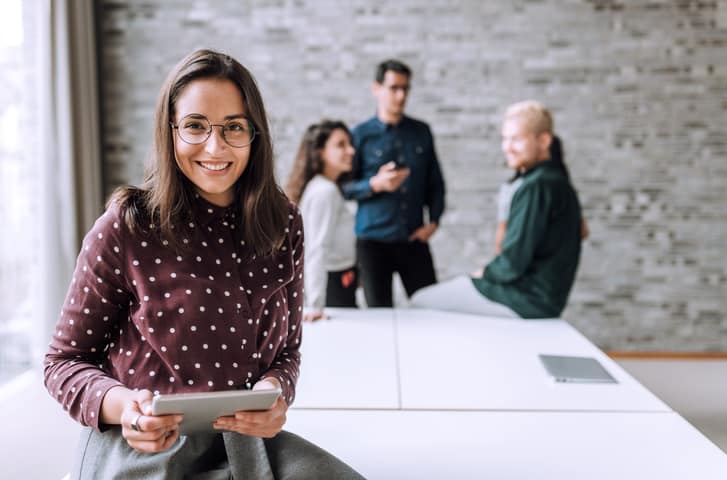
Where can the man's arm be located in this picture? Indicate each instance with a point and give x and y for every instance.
(358, 188)
(434, 199)
(435, 185)
(387, 179)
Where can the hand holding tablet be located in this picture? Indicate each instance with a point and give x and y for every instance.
(200, 410)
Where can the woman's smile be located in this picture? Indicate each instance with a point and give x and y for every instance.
(214, 166)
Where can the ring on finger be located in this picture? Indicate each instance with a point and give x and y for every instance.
(135, 424)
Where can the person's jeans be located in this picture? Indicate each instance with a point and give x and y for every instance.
(377, 262)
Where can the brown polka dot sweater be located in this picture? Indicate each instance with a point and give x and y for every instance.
(214, 317)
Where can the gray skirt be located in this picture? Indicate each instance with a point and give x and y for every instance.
(213, 456)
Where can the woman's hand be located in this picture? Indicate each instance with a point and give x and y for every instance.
(265, 424)
(313, 316)
(143, 431)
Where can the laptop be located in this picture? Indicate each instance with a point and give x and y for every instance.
(576, 369)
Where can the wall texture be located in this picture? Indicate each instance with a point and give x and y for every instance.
(638, 90)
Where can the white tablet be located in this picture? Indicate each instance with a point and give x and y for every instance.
(576, 369)
(200, 410)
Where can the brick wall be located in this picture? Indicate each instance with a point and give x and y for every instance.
(638, 90)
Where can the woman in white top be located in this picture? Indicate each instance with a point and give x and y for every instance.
(324, 157)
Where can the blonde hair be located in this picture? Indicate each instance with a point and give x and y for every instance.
(536, 116)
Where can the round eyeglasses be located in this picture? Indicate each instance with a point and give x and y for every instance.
(196, 129)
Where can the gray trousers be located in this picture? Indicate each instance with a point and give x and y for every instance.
(459, 294)
(213, 456)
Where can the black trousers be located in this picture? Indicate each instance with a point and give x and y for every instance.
(377, 262)
(341, 288)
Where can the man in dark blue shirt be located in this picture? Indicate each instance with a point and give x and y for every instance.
(396, 175)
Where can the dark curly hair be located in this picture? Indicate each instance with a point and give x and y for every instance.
(308, 161)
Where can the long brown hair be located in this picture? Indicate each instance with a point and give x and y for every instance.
(309, 161)
(166, 197)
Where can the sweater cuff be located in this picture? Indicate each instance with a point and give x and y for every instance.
(91, 415)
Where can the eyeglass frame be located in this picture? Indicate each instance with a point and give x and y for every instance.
(199, 116)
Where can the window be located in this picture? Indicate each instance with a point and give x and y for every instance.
(19, 188)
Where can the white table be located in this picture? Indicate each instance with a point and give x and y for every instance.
(349, 361)
(457, 361)
(513, 445)
(403, 394)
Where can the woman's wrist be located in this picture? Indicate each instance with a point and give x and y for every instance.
(113, 404)
(271, 380)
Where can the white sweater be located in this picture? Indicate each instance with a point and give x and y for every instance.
(330, 241)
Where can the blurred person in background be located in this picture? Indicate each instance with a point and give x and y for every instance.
(324, 158)
(396, 177)
(508, 188)
(533, 274)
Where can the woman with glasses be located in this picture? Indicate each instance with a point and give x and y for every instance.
(324, 157)
(191, 282)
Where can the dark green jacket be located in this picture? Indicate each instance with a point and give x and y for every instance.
(535, 271)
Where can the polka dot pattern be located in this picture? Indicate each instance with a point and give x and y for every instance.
(142, 315)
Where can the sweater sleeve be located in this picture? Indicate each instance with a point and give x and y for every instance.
(319, 214)
(435, 190)
(286, 366)
(357, 190)
(526, 225)
(359, 187)
(75, 371)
